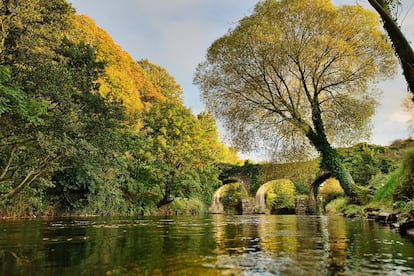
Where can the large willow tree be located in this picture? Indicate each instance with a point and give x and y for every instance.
(295, 75)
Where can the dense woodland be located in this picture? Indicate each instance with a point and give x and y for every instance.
(87, 130)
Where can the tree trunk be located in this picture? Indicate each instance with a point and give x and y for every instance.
(164, 201)
(401, 46)
(331, 162)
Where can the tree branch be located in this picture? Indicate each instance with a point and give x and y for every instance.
(8, 162)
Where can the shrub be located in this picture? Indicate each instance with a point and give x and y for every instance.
(336, 206)
(185, 206)
(330, 190)
(280, 196)
(404, 189)
(232, 197)
(384, 193)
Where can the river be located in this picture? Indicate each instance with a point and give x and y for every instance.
(203, 245)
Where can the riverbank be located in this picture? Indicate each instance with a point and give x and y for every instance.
(399, 219)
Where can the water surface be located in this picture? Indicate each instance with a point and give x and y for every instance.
(203, 245)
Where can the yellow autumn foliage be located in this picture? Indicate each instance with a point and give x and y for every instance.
(330, 190)
(124, 78)
(331, 186)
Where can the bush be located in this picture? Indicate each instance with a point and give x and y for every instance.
(330, 190)
(185, 206)
(384, 193)
(232, 197)
(280, 196)
(301, 188)
(378, 181)
(336, 206)
(404, 189)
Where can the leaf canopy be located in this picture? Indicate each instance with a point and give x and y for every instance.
(289, 61)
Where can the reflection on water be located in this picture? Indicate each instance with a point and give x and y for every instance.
(204, 245)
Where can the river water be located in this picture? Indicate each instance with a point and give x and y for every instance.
(203, 245)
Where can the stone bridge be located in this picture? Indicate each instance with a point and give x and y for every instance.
(302, 206)
(243, 179)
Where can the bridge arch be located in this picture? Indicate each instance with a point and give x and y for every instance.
(313, 192)
(243, 179)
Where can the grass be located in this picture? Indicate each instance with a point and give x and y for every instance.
(384, 193)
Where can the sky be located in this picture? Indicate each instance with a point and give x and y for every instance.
(176, 34)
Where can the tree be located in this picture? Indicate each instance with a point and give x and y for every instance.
(296, 74)
(87, 160)
(123, 78)
(364, 161)
(162, 81)
(59, 124)
(54, 123)
(176, 156)
(20, 114)
(31, 31)
(402, 47)
(280, 196)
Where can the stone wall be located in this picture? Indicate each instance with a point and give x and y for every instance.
(248, 206)
(301, 206)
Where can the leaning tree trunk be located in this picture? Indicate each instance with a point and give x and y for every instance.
(332, 164)
(400, 43)
(330, 158)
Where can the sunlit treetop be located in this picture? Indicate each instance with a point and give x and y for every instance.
(162, 81)
(296, 68)
(124, 78)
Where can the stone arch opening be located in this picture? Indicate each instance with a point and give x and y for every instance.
(315, 190)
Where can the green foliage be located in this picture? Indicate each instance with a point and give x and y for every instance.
(342, 206)
(31, 31)
(364, 161)
(353, 210)
(162, 81)
(399, 185)
(242, 73)
(378, 180)
(177, 157)
(398, 148)
(248, 169)
(66, 139)
(185, 206)
(301, 189)
(336, 206)
(384, 193)
(301, 173)
(280, 196)
(404, 205)
(107, 200)
(60, 126)
(303, 96)
(124, 79)
(232, 197)
(404, 190)
(329, 190)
